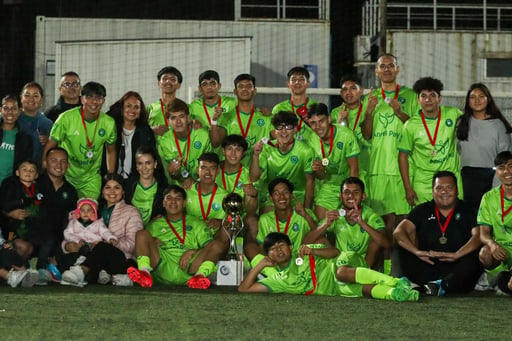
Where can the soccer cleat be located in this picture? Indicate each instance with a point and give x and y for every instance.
(44, 277)
(30, 279)
(403, 283)
(14, 278)
(141, 277)
(434, 288)
(402, 295)
(121, 280)
(74, 276)
(54, 273)
(198, 282)
(104, 277)
(483, 283)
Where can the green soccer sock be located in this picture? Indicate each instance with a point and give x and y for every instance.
(382, 292)
(385, 292)
(206, 268)
(369, 276)
(267, 271)
(144, 263)
(387, 266)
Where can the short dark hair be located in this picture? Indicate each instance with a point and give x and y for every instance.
(352, 180)
(209, 74)
(318, 109)
(300, 70)
(70, 73)
(114, 177)
(428, 83)
(176, 189)
(11, 97)
(502, 158)
(171, 70)
(94, 88)
(444, 174)
(209, 157)
(284, 117)
(27, 160)
(351, 77)
(278, 181)
(273, 238)
(388, 55)
(177, 105)
(35, 85)
(57, 149)
(245, 77)
(235, 140)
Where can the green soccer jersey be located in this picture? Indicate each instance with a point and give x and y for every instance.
(353, 237)
(427, 159)
(206, 206)
(355, 122)
(84, 160)
(387, 129)
(143, 200)
(191, 235)
(7, 146)
(168, 150)
(233, 182)
(296, 227)
(292, 165)
(202, 112)
(491, 214)
(156, 114)
(252, 126)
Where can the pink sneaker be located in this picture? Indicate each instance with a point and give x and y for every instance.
(141, 277)
(198, 282)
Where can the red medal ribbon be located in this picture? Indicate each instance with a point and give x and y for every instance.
(358, 115)
(313, 274)
(205, 216)
(179, 148)
(396, 92)
(331, 138)
(182, 240)
(31, 191)
(236, 181)
(206, 111)
(293, 111)
(163, 113)
(287, 223)
(503, 212)
(246, 131)
(89, 142)
(432, 141)
(445, 226)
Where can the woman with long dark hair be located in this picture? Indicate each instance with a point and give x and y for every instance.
(482, 133)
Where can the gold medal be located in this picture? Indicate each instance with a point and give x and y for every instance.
(443, 240)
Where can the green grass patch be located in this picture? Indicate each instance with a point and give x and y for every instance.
(176, 313)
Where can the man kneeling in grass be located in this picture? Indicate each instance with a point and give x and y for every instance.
(175, 249)
(321, 272)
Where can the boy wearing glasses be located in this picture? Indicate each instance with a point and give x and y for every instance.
(84, 132)
(428, 141)
(69, 90)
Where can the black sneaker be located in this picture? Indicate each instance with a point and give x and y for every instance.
(433, 288)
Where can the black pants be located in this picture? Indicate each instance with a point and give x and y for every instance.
(10, 258)
(476, 181)
(458, 276)
(105, 256)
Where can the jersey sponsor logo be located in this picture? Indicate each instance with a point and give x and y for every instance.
(449, 122)
(260, 122)
(402, 100)
(251, 140)
(386, 119)
(101, 132)
(339, 145)
(7, 146)
(197, 145)
(294, 159)
(216, 206)
(295, 227)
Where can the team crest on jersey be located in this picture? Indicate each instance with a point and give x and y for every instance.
(239, 185)
(339, 145)
(457, 216)
(260, 122)
(386, 119)
(65, 195)
(39, 196)
(294, 159)
(197, 145)
(224, 110)
(449, 122)
(216, 206)
(295, 227)
(401, 100)
(101, 132)
(188, 228)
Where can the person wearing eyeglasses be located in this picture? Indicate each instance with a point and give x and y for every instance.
(83, 132)
(69, 98)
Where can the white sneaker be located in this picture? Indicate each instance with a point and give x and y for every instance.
(122, 280)
(15, 277)
(74, 276)
(104, 277)
(30, 279)
(483, 283)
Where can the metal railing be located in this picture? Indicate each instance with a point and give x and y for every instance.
(280, 9)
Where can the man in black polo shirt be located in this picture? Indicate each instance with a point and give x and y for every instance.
(60, 196)
(439, 241)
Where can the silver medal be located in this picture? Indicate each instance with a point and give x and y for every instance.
(89, 154)
(325, 162)
(342, 212)
(264, 140)
(299, 261)
(184, 174)
(387, 100)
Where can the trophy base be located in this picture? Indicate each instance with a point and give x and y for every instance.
(230, 272)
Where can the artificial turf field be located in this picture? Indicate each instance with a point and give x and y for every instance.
(98, 312)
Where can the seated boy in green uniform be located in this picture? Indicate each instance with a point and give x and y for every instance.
(175, 249)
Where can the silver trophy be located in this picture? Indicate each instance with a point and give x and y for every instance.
(232, 223)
